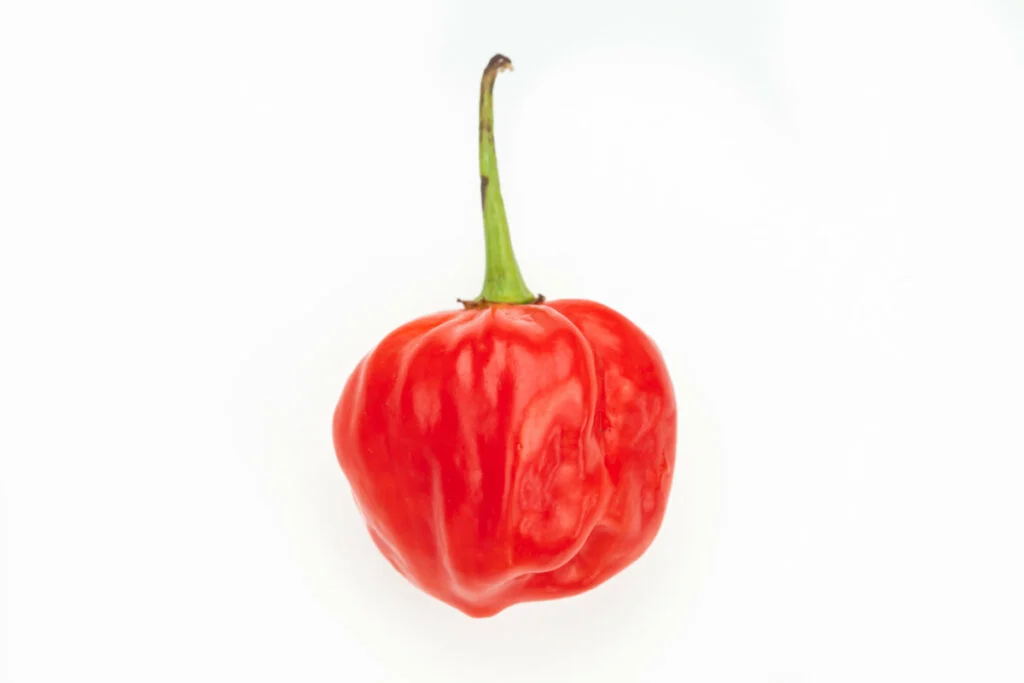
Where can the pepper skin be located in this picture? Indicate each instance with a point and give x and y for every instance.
(512, 451)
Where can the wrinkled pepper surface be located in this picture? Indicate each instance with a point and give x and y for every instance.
(518, 449)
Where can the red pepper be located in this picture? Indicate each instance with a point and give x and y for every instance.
(516, 450)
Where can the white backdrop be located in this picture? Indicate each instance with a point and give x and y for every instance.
(211, 210)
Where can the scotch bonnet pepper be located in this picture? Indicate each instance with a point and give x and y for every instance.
(518, 449)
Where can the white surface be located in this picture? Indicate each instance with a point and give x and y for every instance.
(211, 210)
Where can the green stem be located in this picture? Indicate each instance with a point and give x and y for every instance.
(503, 283)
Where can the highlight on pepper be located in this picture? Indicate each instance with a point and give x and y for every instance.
(518, 449)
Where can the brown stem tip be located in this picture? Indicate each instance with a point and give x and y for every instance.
(498, 64)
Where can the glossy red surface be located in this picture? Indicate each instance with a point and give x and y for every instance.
(510, 453)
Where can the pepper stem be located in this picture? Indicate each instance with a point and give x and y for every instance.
(503, 283)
